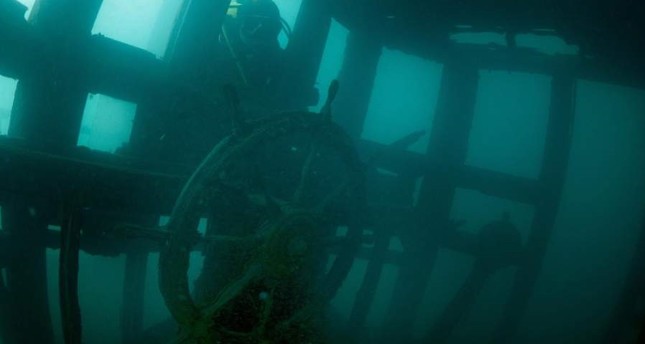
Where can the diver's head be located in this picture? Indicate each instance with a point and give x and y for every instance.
(259, 21)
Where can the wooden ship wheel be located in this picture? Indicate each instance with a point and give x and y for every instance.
(276, 190)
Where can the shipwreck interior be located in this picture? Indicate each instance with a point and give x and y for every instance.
(248, 193)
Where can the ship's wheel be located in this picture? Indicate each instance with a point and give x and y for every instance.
(275, 192)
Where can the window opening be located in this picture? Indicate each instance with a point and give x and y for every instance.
(107, 123)
(145, 24)
(30, 5)
(7, 93)
(289, 10)
(403, 100)
(332, 59)
(509, 126)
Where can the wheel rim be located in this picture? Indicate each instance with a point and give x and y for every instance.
(226, 167)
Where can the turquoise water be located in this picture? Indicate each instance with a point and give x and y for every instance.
(598, 222)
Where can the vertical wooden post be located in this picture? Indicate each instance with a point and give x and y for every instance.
(28, 301)
(48, 107)
(448, 146)
(304, 53)
(552, 178)
(133, 295)
(5, 308)
(356, 78)
(460, 306)
(622, 317)
(68, 271)
(366, 293)
(192, 51)
(197, 37)
(192, 56)
(49, 101)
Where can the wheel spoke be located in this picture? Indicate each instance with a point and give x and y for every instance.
(305, 174)
(320, 207)
(266, 313)
(231, 291)
(267, 227)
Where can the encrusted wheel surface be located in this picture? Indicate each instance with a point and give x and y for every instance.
(275, 192)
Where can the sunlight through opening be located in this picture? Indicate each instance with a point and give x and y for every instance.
(7, 93)
(145, 24)
(107, 123)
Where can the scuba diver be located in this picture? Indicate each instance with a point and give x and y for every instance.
(250, 35)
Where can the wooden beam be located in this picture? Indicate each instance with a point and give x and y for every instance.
(196, 38)
(624, 315)
(5, 302)
(122, 71)
(527, 60)
(448, 144)
(19, 43)
(411, 164)
(112, 246)
(70, 236)
(50, 97)
(136, 265)
(460, 306)
(497, 184)
(362, 55)
(421, 16)
(423, 28)
(183, 121)
(304, 53)
(552, 178)
(30, 321)
(110, 182)
(365, 295)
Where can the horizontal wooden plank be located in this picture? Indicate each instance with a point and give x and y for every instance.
(411, 164)
(105, 180)
(424, 28)
(107, 66)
